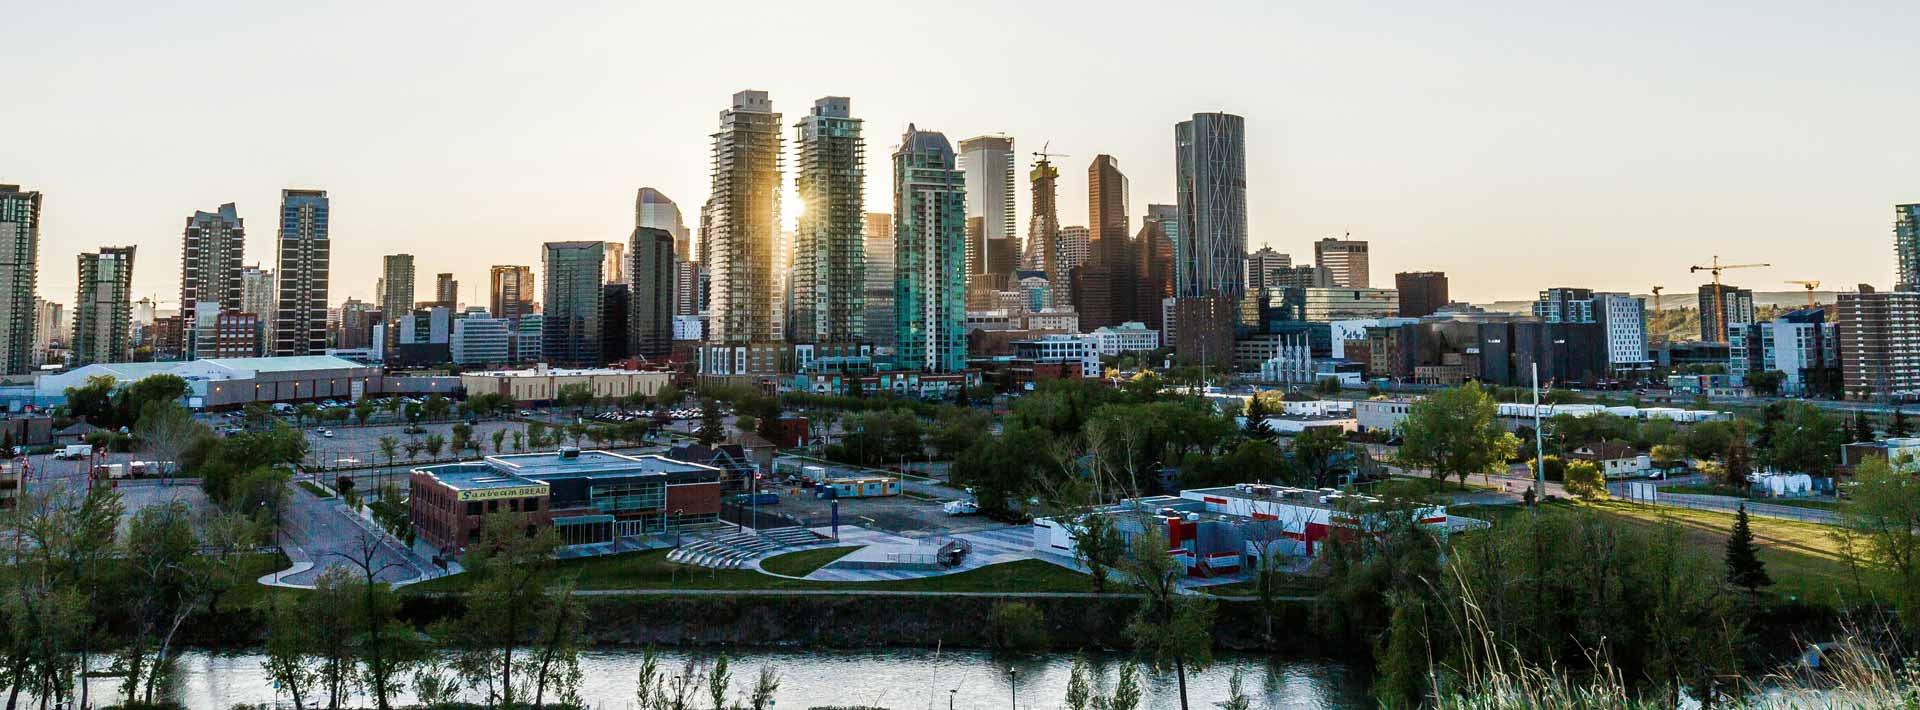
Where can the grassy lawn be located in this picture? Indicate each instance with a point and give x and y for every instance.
(1290, 585)
(316, 489)
(1705, 490)
(804, 562)
(651, 570)
(1802, 558)
(1730, 491)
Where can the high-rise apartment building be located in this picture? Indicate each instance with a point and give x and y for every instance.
(49, 332)
(1346, 259)
(446, 290)
(878, 255)
(1906, 245)
(103, 308)
(396, 285)
(1735, 302)
(649, 326)
(304, 256)
(19, 277)
(1564, 305)
(1076, 245)
(211, 257)
(510, 291)
(744, 223)
(1422, 293)
(827, 281)
(572, 328)
(1879, 344)
(258, 296)
(1210, 169)
(1261, 265)
(993, 242)
(929, 202)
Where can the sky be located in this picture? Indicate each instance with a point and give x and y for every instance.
(1513, 145)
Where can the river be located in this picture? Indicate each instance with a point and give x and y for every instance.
(898, 679)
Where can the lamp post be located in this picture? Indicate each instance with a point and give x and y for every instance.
(1013, 686)
(950, 693)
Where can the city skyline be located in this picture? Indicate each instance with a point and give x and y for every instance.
(1612, 142)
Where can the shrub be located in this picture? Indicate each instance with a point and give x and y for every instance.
(1017, 627)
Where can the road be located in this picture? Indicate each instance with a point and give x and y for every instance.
(325, 534)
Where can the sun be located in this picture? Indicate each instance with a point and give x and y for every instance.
(791, 207)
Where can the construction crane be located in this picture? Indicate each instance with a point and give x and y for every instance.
(1043, 155)
(1719, 299)
(1811, 285)
(1656, 299)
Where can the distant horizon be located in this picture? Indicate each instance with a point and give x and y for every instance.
(1515, 149)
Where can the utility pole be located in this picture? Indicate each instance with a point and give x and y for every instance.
(1539, 446)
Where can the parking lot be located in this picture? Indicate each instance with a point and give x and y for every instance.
(359, 446)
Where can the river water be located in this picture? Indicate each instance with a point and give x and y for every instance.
(899, 679)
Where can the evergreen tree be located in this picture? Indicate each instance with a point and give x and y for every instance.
(1862, 428)
(1256, 427)
(1744, 568)
(710, 432)
(1899, 427)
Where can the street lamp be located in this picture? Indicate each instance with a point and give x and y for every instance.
(950, 694)
(1013, 686)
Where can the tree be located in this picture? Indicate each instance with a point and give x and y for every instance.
(507, 601)
(1666, 456)
(1585, 480)
(1256, 426)
(1313, 451)
(710, 432)
(92, 401)
(436, 406)
(462, 437)
(1898, 429)
(1885, 505)
(764, 686)
(1805, 440)
(1766, 382)
(577, 396)
(1456, 432)
(166, 430)
(499, 441)
(289, 644)
(160, 551)
(389, 447)
(1169, 629)
(1017, 627)
(1236, 695)
(718, 679)
(1079, 690)
(434, 443)
(306, 412)
(1744, 567)
(362, 411)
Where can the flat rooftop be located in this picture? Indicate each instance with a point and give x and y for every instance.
(475, 477)
(1325, 498)
(586, 464)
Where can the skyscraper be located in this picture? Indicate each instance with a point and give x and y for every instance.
(1167, 217)
(878, 255)
(571, 332)
(211, 257)
(19, 277)
(655, 210)
(1735, 302)
(827, 279)
(1155, 274)
(446, 290)
(993, 245)
(1076, 245)
(929, 202)
(304, 255)
(616, 267)
(649, 327)
(1422, 293)
(1106, 200)
(1106, 285)
(103, 308)
(1043, 229)
(397, 281)
(510, 293)
(744, 222)
(1210, 165)
(1906, 244)
(1261, 265)
(1346, 259)
(257, 296)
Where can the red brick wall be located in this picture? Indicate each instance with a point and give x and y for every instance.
(694, 498)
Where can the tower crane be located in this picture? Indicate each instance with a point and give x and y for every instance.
(1719, 299)
(1811, 285)
(1656, 299)
(1043, 155)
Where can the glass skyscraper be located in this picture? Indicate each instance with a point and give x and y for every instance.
(1906, 243)
(1210, 168)
(19, 276)
(572, 327)
(930, 213)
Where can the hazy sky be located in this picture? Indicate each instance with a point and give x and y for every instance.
(1513, 145)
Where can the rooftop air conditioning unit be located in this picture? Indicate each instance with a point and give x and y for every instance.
(569, 452)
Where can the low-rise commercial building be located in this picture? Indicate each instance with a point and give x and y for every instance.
(542, 383)
(1127, 337)
(592, 497)
(1061, 348)
(220, 383)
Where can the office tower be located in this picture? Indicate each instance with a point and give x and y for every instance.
(877, 235)
(828, 281)
(929, 204)
(1879, 341)
(993, 244)
(616, 301)
(510, 292)
(1155, 274)
(652, 209)
(571, 334)
(649, 326)
(1735, 302)
(1623, 323)
(616, 267)
(481, 341)
(1167, 218)
(1107, 200)
(304, 250)
(19, 277)
(1076, 246)
(397, 281)
(1261, 265)
(1906, 245)
(1346, 259)
(211, 256)
(1043, 229)
(1421, 292)
(526, 337)
(446, 290)
(1210, 165)
(744, 222)
(103, 308)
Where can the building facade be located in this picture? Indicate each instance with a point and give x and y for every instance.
(571, 330)
(1261, 265)
(305, 249)
(510, 291)
(1879, 345)
(1906, 246)
(1422, 293)
(877, 252)
(103, 308)
(994, 247)
(929, 255)
(744, 222)
(481, 341)
(396, 285)
(1733, 306)
(829, 283)
(1210, 180)
(649, 326)
(1345, 259)
(446, 290)
(19, 277)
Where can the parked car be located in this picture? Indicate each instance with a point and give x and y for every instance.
(328, 433)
